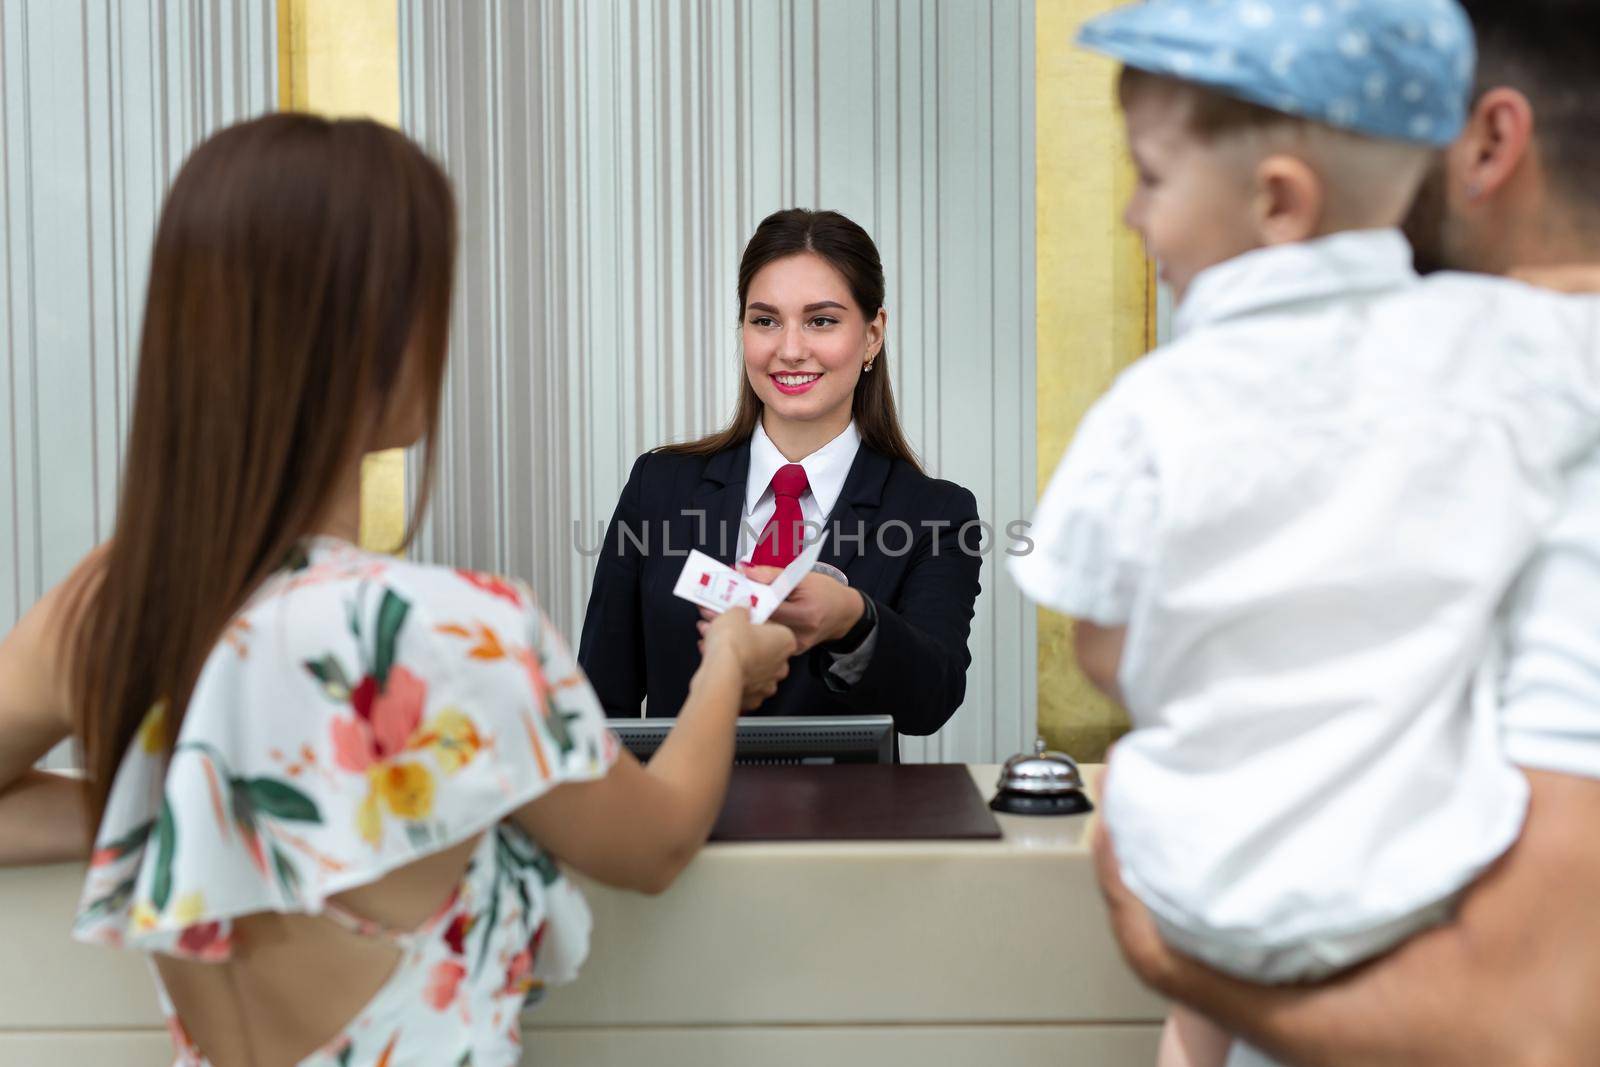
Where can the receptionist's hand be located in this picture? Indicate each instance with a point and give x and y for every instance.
(820, 608)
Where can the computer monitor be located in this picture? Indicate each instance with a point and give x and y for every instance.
(798, 740)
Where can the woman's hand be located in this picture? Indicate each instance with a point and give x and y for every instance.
(820, 608)
(761, 652)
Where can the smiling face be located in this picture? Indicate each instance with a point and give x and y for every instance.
(806, 341)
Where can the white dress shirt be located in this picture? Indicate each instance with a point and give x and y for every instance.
(826, 471)
(1307, 510)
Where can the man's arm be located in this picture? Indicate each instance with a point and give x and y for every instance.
(1510, 982)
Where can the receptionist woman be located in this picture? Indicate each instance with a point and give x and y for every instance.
(814, 443)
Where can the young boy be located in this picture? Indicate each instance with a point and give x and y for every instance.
(1287, 534)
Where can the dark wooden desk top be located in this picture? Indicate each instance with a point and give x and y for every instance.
(852, 802)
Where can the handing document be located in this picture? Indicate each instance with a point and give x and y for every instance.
(718, 587)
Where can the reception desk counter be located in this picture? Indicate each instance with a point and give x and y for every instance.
(762, 955)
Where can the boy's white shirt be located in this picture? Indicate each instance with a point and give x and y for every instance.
(1307, 510)
(1551, 686)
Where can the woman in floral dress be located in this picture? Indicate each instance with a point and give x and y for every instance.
(327, 789)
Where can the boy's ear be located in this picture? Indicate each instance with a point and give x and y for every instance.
(1289, 200)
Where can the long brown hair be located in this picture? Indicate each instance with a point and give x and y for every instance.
(298, 265)
(847, 248)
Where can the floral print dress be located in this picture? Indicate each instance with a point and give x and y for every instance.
(359, 714)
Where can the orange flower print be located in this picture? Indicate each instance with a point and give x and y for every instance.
(443, 982)
(493, 585)
(237, 636)
(555, 719)
(406, 789)
(385, 723)
(384, 720)
(486, 643)
(488, 646)
(519, 975)
(536, 677)
(454, 739)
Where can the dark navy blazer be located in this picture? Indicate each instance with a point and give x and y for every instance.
(902, 541)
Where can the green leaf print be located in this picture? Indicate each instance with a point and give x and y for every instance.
(391, 616)
(557, 722)
(332, 676)
(112, 902)
(489, 925)
(279, 800)
(242, 804)
(514, 853)
(166, 848)
(522, 897)
(288, 879)
(549, 873)
(130, 842)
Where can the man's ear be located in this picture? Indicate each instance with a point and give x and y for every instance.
(1289, 200)
(1496, 142)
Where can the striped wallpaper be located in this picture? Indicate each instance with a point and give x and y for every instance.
(100, 100)
(613, 155)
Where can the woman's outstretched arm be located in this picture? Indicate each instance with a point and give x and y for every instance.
(41, 814)
(639, 826)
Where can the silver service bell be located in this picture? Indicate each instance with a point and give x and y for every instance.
(1041, 783)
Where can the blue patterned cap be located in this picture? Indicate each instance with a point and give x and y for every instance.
(1396, 69)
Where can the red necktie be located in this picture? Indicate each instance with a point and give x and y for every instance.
(780, 541)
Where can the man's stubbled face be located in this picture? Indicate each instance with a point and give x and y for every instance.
(1425, 225)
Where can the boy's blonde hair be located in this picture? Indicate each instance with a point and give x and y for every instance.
(1367, 181)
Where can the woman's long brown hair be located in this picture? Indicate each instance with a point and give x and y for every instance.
(850, 251)
(300, 283)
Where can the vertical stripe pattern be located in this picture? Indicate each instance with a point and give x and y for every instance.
(100, 100)
(612, 156)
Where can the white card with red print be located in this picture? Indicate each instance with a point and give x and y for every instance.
(718, 587)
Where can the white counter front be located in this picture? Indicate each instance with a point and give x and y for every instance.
(781, 955)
